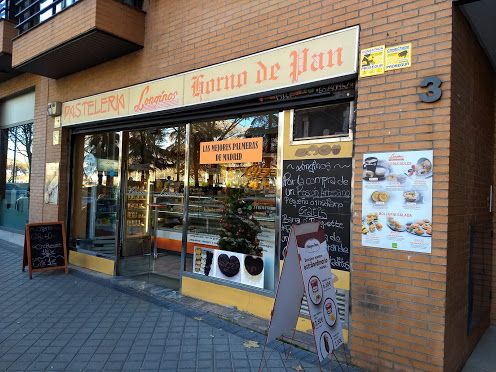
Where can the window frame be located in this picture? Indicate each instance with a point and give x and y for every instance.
(323, 139)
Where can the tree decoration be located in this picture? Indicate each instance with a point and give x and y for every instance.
(239, 228)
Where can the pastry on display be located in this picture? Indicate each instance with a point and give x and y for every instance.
(254, 265)
(198, 258)
(229, 266)
(208, 262)
(203, 261)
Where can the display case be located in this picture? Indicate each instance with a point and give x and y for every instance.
(204, 215)
(136, 209)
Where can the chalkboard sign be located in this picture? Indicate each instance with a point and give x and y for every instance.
(44, 247)
(319, 190)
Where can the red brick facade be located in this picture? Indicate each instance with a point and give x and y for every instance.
(405, 306)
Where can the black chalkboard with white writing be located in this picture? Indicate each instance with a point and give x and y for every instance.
(45, 247)
(319, 190)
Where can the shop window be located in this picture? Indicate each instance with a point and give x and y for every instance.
(96, 193)
(15, 157)
(232, 204)
(323, 122)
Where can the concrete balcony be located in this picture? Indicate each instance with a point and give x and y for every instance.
(7, 33)
(83, 35)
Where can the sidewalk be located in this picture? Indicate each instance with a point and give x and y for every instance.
(483, 358)
(78, 322)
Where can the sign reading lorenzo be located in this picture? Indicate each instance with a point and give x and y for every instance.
(320, 58)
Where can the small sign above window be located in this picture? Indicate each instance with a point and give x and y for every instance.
(322, 123)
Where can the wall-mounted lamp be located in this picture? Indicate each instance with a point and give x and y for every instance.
(54, 109)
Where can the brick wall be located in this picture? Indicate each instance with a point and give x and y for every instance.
(398, 298)
(7, 33)
(471, 174)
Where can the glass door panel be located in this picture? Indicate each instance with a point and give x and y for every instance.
(153, 202)
(96, 193)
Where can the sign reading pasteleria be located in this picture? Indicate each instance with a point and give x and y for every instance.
(307, 270)
(44, 247)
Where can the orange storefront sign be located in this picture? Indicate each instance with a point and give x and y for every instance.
(248, 150)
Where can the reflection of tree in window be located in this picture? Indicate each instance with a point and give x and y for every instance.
(20, 148)
(265, 126)
(205, 132)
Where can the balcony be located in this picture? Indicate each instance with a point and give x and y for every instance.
(61, 37)
(7, 33)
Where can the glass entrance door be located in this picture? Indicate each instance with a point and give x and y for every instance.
(153, 199)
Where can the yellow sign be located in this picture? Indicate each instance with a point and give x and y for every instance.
(372, 61)
(248, 150)
(317, 59)
(399, 56)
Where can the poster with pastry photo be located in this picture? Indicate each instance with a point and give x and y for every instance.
(397, 200)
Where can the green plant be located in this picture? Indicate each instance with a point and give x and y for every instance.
(239, 228)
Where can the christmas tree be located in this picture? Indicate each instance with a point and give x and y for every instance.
(239, 228)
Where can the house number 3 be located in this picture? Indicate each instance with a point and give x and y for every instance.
(433, 85)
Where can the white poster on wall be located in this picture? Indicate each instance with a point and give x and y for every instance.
(51, 194)
(397, 200)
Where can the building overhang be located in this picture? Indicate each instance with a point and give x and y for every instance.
(480, 14)
(7, 33)
(85, 34)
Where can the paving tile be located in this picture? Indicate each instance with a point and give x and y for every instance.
(98, 324)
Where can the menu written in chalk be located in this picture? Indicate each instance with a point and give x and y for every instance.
(319, 190)
(45, 247)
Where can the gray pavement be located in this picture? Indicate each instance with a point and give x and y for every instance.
(74, 322)
(483, 358)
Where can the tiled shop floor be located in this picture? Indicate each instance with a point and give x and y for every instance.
(70, 322)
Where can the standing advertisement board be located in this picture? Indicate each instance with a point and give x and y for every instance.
(307, 270)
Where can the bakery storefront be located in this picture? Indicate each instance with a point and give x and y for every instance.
(193, 181)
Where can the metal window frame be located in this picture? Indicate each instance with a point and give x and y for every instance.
(324, 139)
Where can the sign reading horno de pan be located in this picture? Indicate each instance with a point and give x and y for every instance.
(321, 58)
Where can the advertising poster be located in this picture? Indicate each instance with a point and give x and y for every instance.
(307, 271)
(372, 61)
(230, 266)
(399, 56)
(319, 288)
(52, 183)
(244, 150)
(397, 200)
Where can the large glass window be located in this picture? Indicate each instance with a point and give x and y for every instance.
(96, 193)
(15, 155)
(232, 204)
